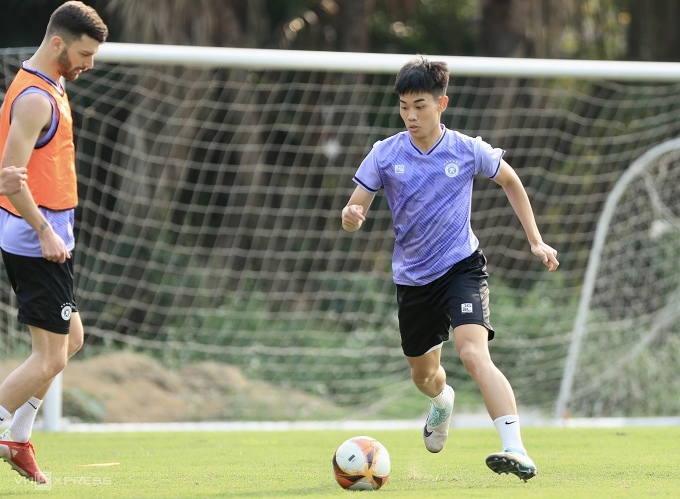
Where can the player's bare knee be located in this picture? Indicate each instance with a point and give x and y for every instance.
(423, 377)
(473, 360)
(53, 364)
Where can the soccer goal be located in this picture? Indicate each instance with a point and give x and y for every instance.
(211, 185)
(626, 332)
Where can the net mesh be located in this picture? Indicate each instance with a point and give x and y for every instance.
(209, 223)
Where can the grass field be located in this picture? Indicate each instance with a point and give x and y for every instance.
(572, 463)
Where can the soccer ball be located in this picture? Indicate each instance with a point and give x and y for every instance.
(361, 463)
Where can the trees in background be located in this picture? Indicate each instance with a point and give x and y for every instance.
(581, 29)
(654, 34)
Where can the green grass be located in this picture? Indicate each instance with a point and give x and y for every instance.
(572, 463)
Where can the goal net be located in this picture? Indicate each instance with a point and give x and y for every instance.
(209, 222)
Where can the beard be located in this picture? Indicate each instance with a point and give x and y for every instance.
(66, 69)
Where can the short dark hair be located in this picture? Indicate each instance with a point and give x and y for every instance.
(74, 19)
(422, 76)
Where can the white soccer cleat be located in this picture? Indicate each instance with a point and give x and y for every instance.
(436, 429)
(512, 461)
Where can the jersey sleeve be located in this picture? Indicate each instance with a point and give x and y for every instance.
(368, 174)
(487, 158)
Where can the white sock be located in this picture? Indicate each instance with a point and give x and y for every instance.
(4, 414)
(508, 430)
(444, 399)
(22, 423)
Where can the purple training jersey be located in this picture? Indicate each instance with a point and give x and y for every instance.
(19, 238)
(430, 196)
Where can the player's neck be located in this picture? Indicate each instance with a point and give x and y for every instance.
(40, 64)
(424, 144)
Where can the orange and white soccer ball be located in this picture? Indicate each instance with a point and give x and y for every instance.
(361, 463)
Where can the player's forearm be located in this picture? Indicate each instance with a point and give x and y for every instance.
(519, 200)
(23, 202)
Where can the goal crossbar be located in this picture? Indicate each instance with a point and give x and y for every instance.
(300, 60)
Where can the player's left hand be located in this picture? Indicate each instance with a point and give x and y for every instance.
(547, 254)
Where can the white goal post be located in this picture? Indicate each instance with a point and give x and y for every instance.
(352, 62)
(211, 182)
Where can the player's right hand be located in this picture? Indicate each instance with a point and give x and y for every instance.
(12, 180)
(352, 217)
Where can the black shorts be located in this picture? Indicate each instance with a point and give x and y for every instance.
(461, 296)
(44, 290)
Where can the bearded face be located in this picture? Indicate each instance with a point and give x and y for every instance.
(76, 57)
(66, 67)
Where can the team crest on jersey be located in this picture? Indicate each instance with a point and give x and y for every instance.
(451, 169)
(399, 169)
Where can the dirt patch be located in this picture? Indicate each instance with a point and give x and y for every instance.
(127, 387)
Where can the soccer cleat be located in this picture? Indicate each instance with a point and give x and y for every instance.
(21, 457)
(436, 429)
(512, 461)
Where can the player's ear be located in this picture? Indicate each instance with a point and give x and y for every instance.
(56, 44)
(443, 102)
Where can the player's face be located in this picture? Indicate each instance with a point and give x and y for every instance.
(77, 57)
(421, 114)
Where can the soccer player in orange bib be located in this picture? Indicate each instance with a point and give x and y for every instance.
(36, 222)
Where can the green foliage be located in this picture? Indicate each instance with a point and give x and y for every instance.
(82, 406)
(340, 324)
(436, 27)
(627, 370)
(354, 319)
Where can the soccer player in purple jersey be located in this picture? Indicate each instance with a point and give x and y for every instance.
(427, 173)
